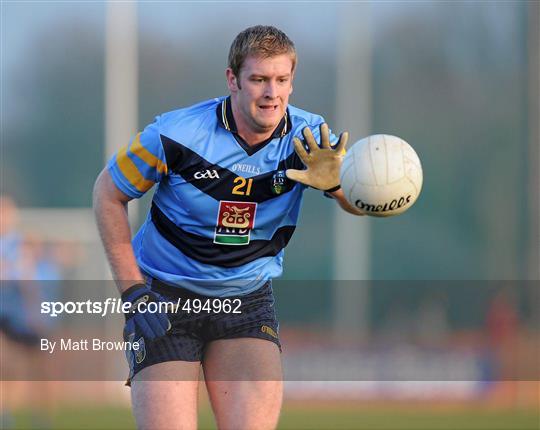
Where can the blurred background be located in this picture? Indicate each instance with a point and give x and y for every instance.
(452, 285)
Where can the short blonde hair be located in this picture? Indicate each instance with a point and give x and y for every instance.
(261, 41)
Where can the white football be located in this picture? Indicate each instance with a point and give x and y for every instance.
(381, 175)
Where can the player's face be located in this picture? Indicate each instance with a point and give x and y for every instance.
(261, 92)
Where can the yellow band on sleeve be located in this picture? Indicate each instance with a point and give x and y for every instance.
(145, 155)
(130, 171)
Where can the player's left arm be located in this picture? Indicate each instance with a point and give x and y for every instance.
(339, 197)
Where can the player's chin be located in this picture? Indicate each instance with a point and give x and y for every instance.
(266, 125)
(269, 118)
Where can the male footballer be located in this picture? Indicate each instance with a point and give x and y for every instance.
(231, 172)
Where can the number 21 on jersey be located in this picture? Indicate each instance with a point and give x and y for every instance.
(243, 186)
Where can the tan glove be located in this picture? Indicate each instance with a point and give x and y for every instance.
(323, 163)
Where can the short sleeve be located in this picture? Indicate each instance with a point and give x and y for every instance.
(136, 167)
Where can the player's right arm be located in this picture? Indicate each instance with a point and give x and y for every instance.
(130, 173)
(110, 207)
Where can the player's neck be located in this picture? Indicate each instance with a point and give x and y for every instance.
(248, 134)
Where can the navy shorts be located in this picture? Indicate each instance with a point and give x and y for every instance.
(251, 315)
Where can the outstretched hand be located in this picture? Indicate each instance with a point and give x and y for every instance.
(323, 163)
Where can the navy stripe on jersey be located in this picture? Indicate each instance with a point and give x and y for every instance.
(208, 252)
(185, 162)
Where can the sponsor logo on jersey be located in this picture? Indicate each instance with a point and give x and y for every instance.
(234, 222)
(247, 168)
(206, 174)
(279, 179)
(269, 330)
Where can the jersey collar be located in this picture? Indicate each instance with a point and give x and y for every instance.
(226, 120)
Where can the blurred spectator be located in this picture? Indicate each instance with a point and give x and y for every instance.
(27, 271)
(503, 326)
(502, 318)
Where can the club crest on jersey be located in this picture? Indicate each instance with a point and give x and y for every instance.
(234, 222)
(279, 180)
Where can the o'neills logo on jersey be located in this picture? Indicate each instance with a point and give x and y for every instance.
(234, 222)
(394, 204)
(246, 168)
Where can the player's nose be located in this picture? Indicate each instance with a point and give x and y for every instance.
(271, 90)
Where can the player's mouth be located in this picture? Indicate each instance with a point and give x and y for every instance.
(268, 108)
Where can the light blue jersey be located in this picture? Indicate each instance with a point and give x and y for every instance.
(223, 211)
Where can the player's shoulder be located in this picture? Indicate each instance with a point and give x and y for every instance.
(194, 115)
(301, 118)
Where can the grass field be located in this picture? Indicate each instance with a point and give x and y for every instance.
(303, 417)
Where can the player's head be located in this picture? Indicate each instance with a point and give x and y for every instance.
(262, 41)
(262, 61)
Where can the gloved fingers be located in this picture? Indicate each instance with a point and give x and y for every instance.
(310, 140)
(300, 150)
(129, 329)
(342, 143)
(164, 321)
(146, 330)
(158, 324)
(297, 175)
(325, 136)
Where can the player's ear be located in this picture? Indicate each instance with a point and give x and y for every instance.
(232, 81)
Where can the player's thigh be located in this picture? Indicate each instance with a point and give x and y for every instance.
(244, 381)
(164, 395)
